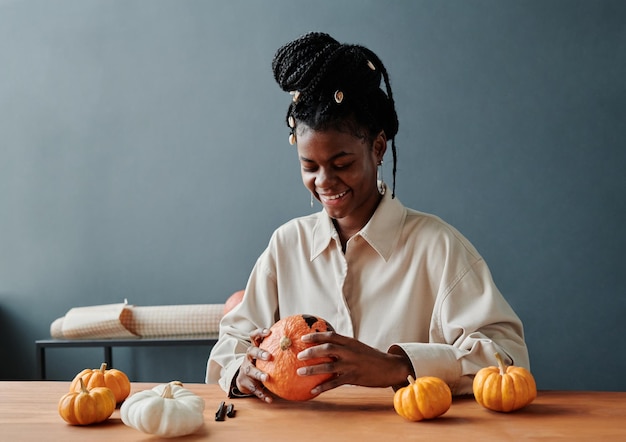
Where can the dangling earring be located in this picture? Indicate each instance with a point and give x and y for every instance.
(311, 199)
(379, 179)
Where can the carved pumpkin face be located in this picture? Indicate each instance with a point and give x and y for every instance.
(284, 344)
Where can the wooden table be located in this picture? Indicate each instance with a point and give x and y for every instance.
(28, 411)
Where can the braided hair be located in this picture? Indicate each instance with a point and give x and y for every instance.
(336, 86)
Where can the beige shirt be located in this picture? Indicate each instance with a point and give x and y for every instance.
(407, 282)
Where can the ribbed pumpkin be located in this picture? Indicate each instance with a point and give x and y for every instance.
(167, 410)
(504, 388)
(426, 397)
(87, 406)
(284, 344)
(114, 379)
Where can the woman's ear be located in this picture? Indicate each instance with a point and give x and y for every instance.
(380, 145)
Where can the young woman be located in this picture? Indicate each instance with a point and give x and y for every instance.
(405, 292)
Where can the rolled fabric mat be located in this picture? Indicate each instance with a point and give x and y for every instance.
(174, 320)
(162, 321)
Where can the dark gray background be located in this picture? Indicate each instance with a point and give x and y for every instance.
(143, 155)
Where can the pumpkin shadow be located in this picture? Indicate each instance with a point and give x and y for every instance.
(445, 421)
(328, 406)
(538, 410)
(200, 434)
(110, 422)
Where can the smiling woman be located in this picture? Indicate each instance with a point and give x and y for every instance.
(407, 294)
(337, 89)
(339, 169)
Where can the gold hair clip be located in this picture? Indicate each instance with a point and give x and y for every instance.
(371, 65)
(292, 138)
(296, 95)
(338, 96)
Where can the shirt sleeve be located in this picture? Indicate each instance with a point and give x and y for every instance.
(257, 309)
(471, 322)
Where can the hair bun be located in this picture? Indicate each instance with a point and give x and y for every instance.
(297, 63)
(317, 65)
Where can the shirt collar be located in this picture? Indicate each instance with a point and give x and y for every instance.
(381, 232)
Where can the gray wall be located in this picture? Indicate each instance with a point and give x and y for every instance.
(143, 155)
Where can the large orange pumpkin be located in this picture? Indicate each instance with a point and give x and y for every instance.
(284, 344)
(116, 380)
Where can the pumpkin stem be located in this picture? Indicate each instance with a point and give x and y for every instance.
(83, 389)
(501, 364)
(103, 367)
(411, 380)
(285, 343)
(167, 392)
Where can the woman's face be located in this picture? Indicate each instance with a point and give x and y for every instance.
(340, 171)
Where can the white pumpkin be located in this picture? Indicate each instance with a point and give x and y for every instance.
(167, 410)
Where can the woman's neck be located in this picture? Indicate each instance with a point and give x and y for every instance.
(348, 227)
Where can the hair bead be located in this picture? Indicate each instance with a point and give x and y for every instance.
(296, 96)
(292, 138)
(371, 65)
(292, 121)
(338, 96)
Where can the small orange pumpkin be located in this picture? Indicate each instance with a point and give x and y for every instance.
(426, 397)
(114, 379)
(504, 388)
(87, 406)
(233, 300)
(284, 344)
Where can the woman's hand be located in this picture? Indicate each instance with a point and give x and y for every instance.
(353, 362)
(249, 378)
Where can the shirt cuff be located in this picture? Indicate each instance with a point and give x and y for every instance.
(233, 391)
(431, 360)
(228, 377)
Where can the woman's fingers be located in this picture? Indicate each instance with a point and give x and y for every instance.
(250, 381)
(255, 353)
(258, 335)
(252, 372)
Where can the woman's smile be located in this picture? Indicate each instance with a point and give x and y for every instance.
(332, 199)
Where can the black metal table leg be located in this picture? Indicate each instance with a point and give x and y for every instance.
(108, 356)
